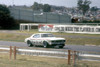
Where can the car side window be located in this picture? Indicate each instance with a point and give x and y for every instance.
(36, 36)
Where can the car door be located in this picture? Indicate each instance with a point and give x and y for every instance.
(36, 39)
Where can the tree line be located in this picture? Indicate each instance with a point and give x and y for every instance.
(84, 6)
(8, 22)
(44, 8)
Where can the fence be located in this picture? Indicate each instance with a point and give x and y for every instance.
(67, 54)
(70, 58)
(41, 17)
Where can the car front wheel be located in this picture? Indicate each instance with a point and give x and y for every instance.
(45, 44)
(61, 46)
(29, 44)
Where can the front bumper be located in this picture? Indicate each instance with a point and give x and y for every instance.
(57, 43)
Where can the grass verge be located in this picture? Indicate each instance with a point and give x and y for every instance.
(35, 61)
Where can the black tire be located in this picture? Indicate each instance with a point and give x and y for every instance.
(45, 44)
(61, 46)
(29, 44)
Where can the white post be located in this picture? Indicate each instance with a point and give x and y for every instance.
(20, 27)
(73, 29)
(94, 29)
(23, 27)
(28, 27)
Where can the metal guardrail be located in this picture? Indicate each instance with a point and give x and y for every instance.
(55, 54)
(3, 48)
(46, 53)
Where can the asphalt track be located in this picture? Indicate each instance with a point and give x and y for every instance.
(67, 47)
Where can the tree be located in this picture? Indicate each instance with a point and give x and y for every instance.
(94, 9)
(84, 5)
(4, 9)
(41, 6)
(46, 8)
(6, 21)
(35, 6)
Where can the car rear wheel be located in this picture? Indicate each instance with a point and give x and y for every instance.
(29, 44)
(45, 44)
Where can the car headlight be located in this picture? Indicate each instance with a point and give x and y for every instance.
(49, 41)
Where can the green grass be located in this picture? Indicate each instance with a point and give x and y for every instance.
(35, 61)
(82, 41)
(12, 37)
(59, 33)
(21, 35)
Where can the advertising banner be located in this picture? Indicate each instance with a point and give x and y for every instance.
(70, 28)
(46, 28)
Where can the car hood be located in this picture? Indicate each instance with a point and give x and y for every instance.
(53, 38)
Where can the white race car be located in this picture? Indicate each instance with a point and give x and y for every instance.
(45, 39)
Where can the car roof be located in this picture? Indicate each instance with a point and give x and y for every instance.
(43, 33)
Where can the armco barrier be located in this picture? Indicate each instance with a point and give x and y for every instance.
(42, 53)
(51, 53)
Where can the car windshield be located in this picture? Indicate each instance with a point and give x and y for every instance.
(47, 35)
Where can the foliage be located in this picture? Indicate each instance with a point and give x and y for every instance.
(6, 21)
(84, 5)
(58, 7)
(4, 9)
(94, 9)
(36, 6)
(45, 7)
(41, 6)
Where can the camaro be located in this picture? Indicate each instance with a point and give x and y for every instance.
(45, 40)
